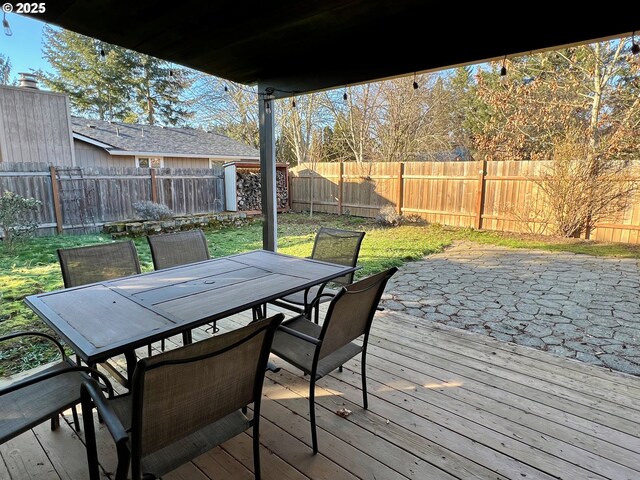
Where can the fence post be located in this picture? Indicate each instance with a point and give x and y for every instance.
(400, 201)
(480, 197)
(340, 185)
(55, 191)
(154, 188)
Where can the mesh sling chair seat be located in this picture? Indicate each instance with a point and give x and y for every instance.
(179, 248)
(95, 263)
(29, 401)
(318, 350)
(184, 402)
(334, 246)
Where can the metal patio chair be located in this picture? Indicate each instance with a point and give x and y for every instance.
(318, 350)
(331, 245)
(184, 402)
(29, 401)
(179, 248)
(95, 263)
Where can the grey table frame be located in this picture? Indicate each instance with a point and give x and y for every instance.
(101, 320)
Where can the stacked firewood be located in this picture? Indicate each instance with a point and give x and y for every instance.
(249, 196)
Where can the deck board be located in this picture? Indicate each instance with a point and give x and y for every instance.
(443, 404)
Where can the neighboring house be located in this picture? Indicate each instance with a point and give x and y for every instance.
(36, 127)
(114, 144)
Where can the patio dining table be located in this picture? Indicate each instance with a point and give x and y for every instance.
(105, 319)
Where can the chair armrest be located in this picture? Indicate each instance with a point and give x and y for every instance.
(40, 377)
(299, 335)
(35, 334)
(318, 297)
(90, 390)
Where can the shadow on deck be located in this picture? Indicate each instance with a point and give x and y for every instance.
(443, 404)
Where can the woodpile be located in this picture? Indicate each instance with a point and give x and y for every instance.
(249, 196)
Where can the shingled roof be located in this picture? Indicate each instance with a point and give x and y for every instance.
(133, 139)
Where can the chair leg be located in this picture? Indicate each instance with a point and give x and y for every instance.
(149, 350)
(162, 344)
(187, 338)
(363, 364)
(256, 449)
(55, 422)
(76, 420)
(312, 414)
(90, 437)
(340, 368)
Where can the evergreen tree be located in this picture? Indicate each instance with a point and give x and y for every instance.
(157, 91)
(112, 83)
(96, 76)
(5, 69)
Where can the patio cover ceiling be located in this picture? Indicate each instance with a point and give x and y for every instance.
(297, 46)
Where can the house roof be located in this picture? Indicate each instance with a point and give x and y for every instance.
(296, 46)
(133, 139)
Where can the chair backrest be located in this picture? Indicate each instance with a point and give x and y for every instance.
(351, 312)
(179, 392)
(338, 246)
(180, 248)
(95, 263)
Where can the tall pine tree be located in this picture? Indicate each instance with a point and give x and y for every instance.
(112, 83)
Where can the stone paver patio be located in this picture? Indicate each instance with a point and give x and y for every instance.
(577, 306)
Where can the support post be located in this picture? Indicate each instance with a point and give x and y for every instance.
(268, 172)
(340, 186)
(55, 191)
(480, 198)
(400, 200)
(154, 187)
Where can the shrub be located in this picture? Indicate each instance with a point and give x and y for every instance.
(148, 210)
(16, 218)
(388, 216)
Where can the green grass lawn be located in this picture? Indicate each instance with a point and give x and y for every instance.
(33, 268)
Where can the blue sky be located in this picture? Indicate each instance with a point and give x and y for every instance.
(24, 47)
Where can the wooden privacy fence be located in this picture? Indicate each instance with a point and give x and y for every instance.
(83, 199)
(501, 195)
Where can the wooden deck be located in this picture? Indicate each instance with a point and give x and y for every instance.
(444, 404)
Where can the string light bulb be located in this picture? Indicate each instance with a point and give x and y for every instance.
(345, 96)
(5, 25)
(170, 73)
(226, 89)
(503, 71)
(293, 103)
(103, 54)
(267, 107)
(415, 84)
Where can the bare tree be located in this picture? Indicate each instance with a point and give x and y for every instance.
(230, 108)
(301, 128)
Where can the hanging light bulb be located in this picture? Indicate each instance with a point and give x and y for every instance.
(267, 106)
(293, 103)
(345, 96)
(103, 54)
(415, 84)
(170, 73)
(503, 71)
(226, 89)
(6, 26)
